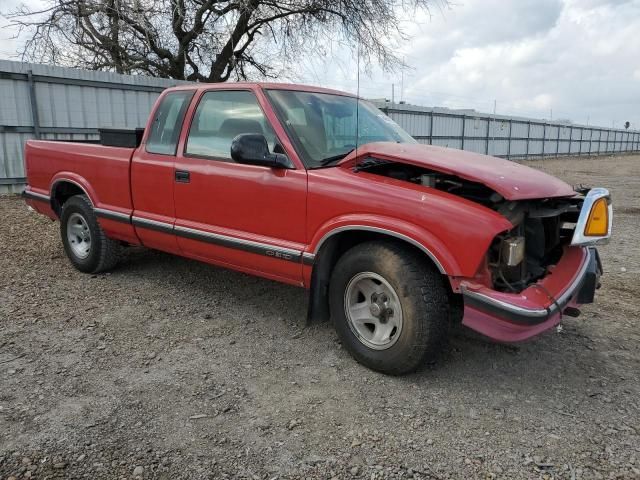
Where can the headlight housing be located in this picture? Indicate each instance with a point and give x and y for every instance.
(596, 216)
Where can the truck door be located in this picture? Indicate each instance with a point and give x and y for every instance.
(246, 216)
(153, 170)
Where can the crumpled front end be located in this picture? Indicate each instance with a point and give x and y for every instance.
(543, 269)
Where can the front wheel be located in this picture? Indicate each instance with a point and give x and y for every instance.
(389, 306)
(85, 243)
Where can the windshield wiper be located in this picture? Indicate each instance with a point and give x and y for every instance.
(325, 162)
(369, 162)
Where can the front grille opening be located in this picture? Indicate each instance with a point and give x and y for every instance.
(546, 232)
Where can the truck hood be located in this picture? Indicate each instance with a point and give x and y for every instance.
(510, 179)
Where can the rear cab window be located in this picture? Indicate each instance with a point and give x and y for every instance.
(222, 115)
(167, 123)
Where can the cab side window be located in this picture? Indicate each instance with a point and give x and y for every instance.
(167, 123)
(220, 117)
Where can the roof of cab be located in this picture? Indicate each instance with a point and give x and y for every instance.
(262, 85)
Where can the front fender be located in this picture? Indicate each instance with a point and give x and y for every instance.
(455, 232)
(433, 247)
(457, 252)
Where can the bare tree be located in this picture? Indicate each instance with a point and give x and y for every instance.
(207, 40)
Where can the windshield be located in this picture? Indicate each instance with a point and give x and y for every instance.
(323, 126)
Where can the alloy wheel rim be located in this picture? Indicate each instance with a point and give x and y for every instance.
(79, 236)
(373, 310)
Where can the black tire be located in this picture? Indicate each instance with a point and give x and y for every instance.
(103, 252)
(422, 296)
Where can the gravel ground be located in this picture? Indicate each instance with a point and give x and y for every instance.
(168, 368)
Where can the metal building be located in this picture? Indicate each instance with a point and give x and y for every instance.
(41, 101)
(508, 137)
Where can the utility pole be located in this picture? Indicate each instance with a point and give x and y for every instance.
(393, 93)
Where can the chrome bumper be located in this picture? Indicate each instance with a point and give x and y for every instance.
(582, 289)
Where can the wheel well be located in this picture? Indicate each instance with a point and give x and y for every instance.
(329, 254)
(63, 191)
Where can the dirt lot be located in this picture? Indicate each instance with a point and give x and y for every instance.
(168, 368)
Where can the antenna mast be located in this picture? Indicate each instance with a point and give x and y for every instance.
(358, 101)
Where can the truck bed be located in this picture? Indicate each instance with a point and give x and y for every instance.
(101, 171)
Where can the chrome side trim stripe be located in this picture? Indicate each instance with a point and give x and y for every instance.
(112, 215)
(239, 244)
(152, 224)
(281, 253)
(36, 196)
(250, 246)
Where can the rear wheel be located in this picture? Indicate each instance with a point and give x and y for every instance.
(85, 243)
(389, 306)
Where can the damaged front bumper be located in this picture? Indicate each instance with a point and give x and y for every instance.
(514, 317)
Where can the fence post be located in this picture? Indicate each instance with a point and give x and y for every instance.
(431, 128)
(34, 104)
(544, 138)
(486, 149)
(570, 139)
(509, 140)
(462, 136)
(580, 144)
(558, 143)
(621, 141)
(526, 154)
(626, 144)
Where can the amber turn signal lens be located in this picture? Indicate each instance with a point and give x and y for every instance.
(598, 223)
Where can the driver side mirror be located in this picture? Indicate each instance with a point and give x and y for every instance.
(252, 149)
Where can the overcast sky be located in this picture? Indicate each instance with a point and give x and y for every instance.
(576, 59)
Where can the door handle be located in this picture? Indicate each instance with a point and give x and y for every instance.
(182, 176)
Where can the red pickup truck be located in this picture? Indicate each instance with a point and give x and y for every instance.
(319, 189)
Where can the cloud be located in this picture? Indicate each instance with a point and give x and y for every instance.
(579, 58)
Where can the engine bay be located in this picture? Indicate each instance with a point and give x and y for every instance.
(516, 258)
(473, 191)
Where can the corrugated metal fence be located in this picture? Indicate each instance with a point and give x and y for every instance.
(40, 101)
(509, 137)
